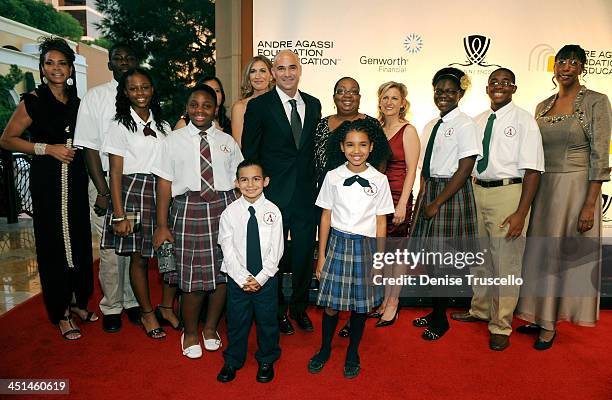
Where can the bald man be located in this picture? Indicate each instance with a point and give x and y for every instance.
(279, 132)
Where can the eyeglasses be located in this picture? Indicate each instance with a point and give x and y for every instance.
(503, 84)
(342, 92)
(573, 63)
(448, 92)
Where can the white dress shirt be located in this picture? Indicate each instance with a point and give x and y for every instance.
(456, 138)
(233, 239)
(301, 106)
(96, 112)
(516, 143)
(354, 208)
(138, 151)
(178, 160)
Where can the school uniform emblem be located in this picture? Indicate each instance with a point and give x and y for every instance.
(510, 131)
(269, 218)
(449, 132)
(371, 190)
(224, 148)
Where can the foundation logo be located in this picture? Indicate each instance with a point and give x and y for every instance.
(413, 43)
(541, 58)
(476, 47)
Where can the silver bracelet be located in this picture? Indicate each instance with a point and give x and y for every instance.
(40, 149)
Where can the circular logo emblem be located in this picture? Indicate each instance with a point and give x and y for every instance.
(269, 218)
(413, 43)
(224, 148)
(371, 190)
(449, 132)
(510, 131)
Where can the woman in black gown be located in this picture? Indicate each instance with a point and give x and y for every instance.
(58, 185)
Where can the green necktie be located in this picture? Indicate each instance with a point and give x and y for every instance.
(486, 141)
(430, 143)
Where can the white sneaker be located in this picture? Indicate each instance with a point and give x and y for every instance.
(212, 344)
(192, 352)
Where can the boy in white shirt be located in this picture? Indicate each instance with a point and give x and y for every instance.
(252, 285)
(505, 182)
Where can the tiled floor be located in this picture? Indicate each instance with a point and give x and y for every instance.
(18, 268)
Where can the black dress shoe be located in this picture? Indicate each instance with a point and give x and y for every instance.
(265, 373)
(285, 326)
(528, 329)
(303, 321)
(111, 323)
(227, 374)
(133, 314)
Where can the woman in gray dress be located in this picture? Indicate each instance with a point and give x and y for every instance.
(562, 263)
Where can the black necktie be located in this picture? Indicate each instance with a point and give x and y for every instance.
(148, 131)
(253, 253)
(361, 181)
(429, 149)
(296, 123)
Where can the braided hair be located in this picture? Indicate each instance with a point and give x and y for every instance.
(123, 104)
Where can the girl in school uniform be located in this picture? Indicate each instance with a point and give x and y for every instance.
(132, 141)
(355, 199)
(196, 168)
(446, 209)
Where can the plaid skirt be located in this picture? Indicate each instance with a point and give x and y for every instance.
(346, 278)
(453, 229)
(138, 192)
(195, 226)
(456, 218)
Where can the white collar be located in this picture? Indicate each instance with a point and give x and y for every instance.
(194, 130)
(139, 120)
(504, 110)
(284, 97)
(256, 205)
(344, 172)
(451, 115)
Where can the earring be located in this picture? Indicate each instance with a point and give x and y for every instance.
(69, 81)
(44, 79)
(402, 109)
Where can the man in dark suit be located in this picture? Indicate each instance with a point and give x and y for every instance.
(279, 132)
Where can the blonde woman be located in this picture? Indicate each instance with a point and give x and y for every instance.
(256, 79)
(401, 173)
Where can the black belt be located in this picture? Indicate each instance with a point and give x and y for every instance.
(501, 182)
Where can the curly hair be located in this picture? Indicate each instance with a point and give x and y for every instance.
(224, 120)
(380, 153)
(123, 104)
(403, 93)
(47, 44)
(246, 89)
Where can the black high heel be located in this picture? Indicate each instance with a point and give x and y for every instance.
(164, 321)
(155, 333)
(422, 322)
(381, 323)
(542, 345)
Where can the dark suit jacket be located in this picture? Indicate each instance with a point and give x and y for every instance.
(267, 137)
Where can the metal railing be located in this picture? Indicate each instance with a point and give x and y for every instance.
(14, 185)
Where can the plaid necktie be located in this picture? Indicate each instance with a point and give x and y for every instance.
(207, 191)
(148, 131)
(253, 252)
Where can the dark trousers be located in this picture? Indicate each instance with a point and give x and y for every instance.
(297, 258)
(241, 308)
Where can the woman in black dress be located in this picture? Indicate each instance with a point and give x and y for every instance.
(58, 185)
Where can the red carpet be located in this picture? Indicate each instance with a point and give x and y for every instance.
(396, 363)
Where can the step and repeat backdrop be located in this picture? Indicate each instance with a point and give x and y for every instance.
(409, 40)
